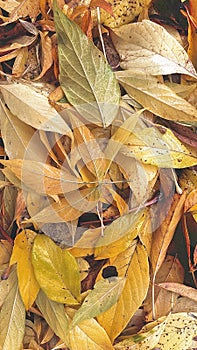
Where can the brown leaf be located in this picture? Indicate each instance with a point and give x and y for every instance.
(26, 8)
(164, 234)
(180, 289)
(46, 54)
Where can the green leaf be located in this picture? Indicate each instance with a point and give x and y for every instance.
(56, 271)
(12, 317)
(85, 77)
(100, 299)
(54, 315)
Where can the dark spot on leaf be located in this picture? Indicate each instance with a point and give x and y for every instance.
(109, 271)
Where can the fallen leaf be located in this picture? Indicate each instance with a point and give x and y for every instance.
(159, 148)
(24, 9)
(98, 101)
(56, 271)
(146, 47)
(12, 317)
(132, 264)
(5, 252)
(43, 178)
(119, 235)
(164, 233)
(105, 294)
(180, 289)
(33, 108)
(46, 57)
(156, 97)
(21, 255)
(54, 314)
(89, 334)
(176, 331)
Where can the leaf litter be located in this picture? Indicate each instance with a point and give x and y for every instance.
(92, 231)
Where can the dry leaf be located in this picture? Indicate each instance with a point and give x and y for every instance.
(26, 8)
(146, 47)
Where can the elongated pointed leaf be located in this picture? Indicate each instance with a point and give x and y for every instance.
(12, 317)
(156, 97)
(21, 255)
(132, 264)
(56, 271)
(85, 77)
(89, 335)
(148, 47)
(33, 108)
(54, 315)
(100, 299)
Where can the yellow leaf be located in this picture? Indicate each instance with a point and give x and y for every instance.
(176, 331)
(56, 271)
(89, 335)
(119, 235)
(85, 245)
(163, 150)
(21, 255)
(132, 264)
(157, 97)
(155, 53)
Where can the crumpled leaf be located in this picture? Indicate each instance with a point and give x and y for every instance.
(56, 271)
(161, 149)
(21, 255)
(132, 264)
(176, 331)
(156, 97)
(54, 314)
(146, 47)
(105, 294)
(85, 77)
(12, 317)
(33, 108)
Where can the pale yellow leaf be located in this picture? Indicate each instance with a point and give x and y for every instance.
(33, 108)
(156, 97)
(12, 317)
(89, 335)
(180, 289)
(147, 47)
(21, 255)
(159, 148)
